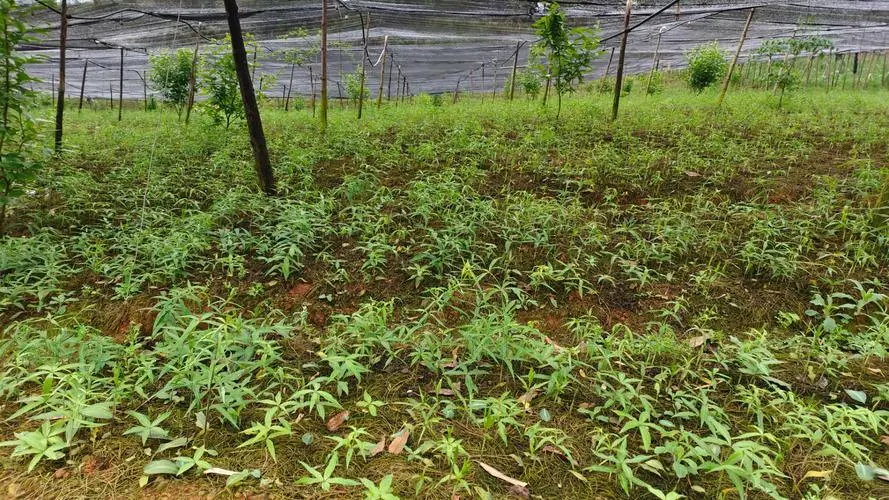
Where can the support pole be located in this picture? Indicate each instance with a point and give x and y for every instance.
(731, 68)
(120, 90)
(289, 88)
(323, 66)
(251, 110)
(312, 87)
(365, 35)
(83, 84)
(618, 84)
(60, 107)
(456, 91)
(657, 49)
(389, 85)
(515, 68)
(382, 71)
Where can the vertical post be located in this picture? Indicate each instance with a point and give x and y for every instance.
(883, 72)
(389, 86)
(312, 87)
(618, 84)
(515, 68)
(289, 88)
(339, 91)
(657, 49)
(456, 91)
(323, 65)
(365, 35)
(251, 110)
(403, 88)
(52, 89)
(494, 86)
(855, 65)
(382, 71)
(60, 107)
(483, 82)
(255, 49)
(731, 68)
(111, 95)
(120, 90)
(192, 81)
(145, 89)
(86, 63)
(608, 68)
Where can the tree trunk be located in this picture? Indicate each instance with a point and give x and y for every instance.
(60, 105)
(620, 62)
(251, 110)
(192, 82)
(289, 89)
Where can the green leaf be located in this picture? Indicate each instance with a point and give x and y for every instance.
(160, 467)
(545, 416)
(98, 410)
(176, 443)
(858, 396)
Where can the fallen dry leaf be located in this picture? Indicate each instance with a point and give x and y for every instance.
(555, 451)
(817, 473)
(397, 444)
(698, 341)
(527, 397)
(501, 476)
(376, 450)
(692, 173)
(885, 440)
(556, 347)
(61, 473)
(337, 420)
(875, 371)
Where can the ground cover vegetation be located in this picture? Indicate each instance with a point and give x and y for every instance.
(481, 299)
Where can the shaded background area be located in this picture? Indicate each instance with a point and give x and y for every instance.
(435, 43)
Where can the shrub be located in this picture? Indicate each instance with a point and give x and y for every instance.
(220, 84)
(706, 64)
(169, 74)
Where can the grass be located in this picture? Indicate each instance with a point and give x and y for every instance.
(685, 302)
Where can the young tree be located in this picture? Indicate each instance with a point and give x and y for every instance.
(219, 82)
(20, 159)
(170, 74)
(568, 53)
(706, 65)
(782, 74)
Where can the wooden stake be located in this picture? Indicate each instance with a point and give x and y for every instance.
(382, 63)
(657, 49)
(608, 68)
(251, 110)
(120, 90)
(731, 68)
(456, 91)
(620, 61)
(323, 66)
(515, 67)
(289, 88)
(111, 95)
(144, 90)
(365, 35)
(83, 84)
(389, 86)
(63, 42)
(312, 86)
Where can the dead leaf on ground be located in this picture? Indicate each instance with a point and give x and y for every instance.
(556, 347)
(61, 473)
(376, 450)
(527, 397)
(337, 420)
(397, 444)
(875, 371)
(692, 173)
(501, 476)
(817, 474)
(698, 341)
(884, 439)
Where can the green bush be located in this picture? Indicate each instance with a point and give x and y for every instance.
(706, 64)
(170, 74)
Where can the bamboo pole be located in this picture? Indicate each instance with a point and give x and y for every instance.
(365, 35)
(620, 61)
(515, 67)
(120, 90)
(731, 68)
(323, 66)
(657, 49)
(86, 63)
(382, 63)
(289, 88)
(192, 81)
